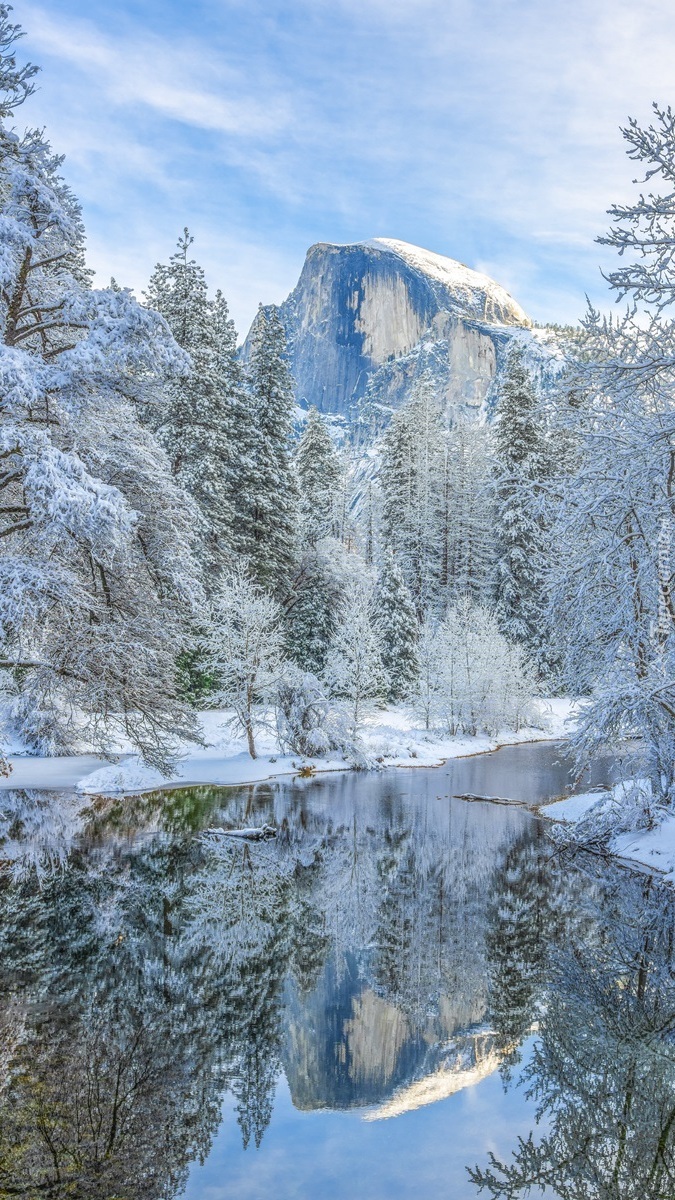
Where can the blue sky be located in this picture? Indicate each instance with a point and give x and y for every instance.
(483, 129)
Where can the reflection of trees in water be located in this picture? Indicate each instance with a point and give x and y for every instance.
(116, 1076)
(149, 972)
(525, 913)
(603, 1070)
(365, 949)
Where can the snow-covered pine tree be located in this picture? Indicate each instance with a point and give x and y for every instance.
(354, 669)
(468, 554)
(519, 445)
(319, 472)
(324, 576)
(411, 480)
(200, 421)
(97, 582)
(267, 493)
(310, 613)
(397, 628)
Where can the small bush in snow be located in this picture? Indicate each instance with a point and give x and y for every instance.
(308, 723)
(302, 712)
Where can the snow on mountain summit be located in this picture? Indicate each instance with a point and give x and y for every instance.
(371, 316)
(454, 275)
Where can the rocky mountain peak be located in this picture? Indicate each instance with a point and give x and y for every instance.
(372, 316)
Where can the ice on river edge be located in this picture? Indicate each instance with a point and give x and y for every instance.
(390, 734)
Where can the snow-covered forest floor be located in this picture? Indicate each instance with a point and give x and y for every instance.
(390, 737)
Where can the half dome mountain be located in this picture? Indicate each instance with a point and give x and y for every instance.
(368, 318)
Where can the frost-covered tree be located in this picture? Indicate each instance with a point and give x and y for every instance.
(319, 474)
(614, 545)
(397, 628)
(613, 552)
(645, 228)
(97, 581)
(520, 455)
(411, 480)
(427, 693)
(324, 575)
(354, 669)
(245, 648)
(200, 423)
(311, 611)
(267, 494)
(472, 679)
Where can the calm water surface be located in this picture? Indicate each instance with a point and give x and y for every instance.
(406, 995)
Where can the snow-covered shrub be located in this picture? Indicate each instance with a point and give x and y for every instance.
(308, 723)
(302, 711)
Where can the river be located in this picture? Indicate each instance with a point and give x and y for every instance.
(404, 996)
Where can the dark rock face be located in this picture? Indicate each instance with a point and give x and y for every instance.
(377, 314)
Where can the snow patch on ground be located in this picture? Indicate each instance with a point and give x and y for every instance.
(390, 737)
(574, 808)
(653, 848)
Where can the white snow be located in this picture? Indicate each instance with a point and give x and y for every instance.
(390, 735)
(652, 848)
(574, 808)
(452, 274)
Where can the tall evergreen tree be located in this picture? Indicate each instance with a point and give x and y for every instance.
(202, 416)
(520, 453)
(468, 554)
(319, 477)
(311, 615)
(411, 478)
(267, 494)
(397, 628)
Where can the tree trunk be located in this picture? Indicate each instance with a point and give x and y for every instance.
(249, 738)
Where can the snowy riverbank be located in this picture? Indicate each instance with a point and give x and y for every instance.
(390, 736)
(590, 814)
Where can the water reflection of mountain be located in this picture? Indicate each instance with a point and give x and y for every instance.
(391, 947)
(404, 890)
(346, 1046)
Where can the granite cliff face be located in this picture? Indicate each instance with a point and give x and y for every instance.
(375, 315)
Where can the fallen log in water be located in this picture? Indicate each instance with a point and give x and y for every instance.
(492, 799)
(256, 834)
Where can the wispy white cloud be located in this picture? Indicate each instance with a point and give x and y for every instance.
(178, 79)
(485, 130)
